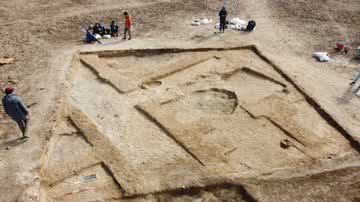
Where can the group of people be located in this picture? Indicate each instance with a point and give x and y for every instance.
(13, 105)
(112, 31)
(15, 108)
(101, 30)
(223, 14)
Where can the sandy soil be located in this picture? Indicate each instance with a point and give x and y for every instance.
(141, 149)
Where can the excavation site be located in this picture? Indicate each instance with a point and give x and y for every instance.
(180, 101)
(157, 121)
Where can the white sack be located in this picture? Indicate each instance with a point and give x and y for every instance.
(204, 21)
(237, 21)
(217, 26)
(97, 36)
(322, 56)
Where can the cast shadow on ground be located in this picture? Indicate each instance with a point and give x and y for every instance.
(13, 143)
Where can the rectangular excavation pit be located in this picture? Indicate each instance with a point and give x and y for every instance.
(178, 117)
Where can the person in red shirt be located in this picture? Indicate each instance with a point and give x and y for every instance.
(128, 24)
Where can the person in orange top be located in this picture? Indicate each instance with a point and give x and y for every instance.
(128, 24)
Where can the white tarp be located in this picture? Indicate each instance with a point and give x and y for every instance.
(238, 24)
(238, 27)
(237, 21)
(205, 21)
(235, 24)
(322, 56)
(97, 36)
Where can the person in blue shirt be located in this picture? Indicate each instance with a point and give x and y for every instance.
(15, 108)
(89, 38)
(114, 28)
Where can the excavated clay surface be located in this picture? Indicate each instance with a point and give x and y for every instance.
(155, 121)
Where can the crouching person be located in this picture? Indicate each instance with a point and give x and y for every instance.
(89, 38)
(251, 26)
(114, 28)
(15, 108)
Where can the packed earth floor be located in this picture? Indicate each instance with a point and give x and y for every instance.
(181, 112)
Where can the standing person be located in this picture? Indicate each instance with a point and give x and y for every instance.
(128, 24)
(15, 108)
(222, 15)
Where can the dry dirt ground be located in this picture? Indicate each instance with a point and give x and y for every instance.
(181, 113)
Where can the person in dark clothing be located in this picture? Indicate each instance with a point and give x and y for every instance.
(223, 15)
(98, 29)
(107, 31)
(114, 28)
(251, 26)
(89, 38)
(15, 108)
(91, 27)
(95, 29)
(102, 30)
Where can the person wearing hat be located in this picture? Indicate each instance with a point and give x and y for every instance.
(15, 108)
